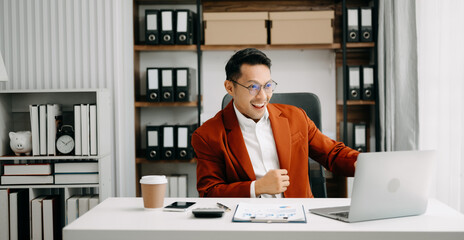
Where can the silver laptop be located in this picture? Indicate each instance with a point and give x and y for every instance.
(387, 185)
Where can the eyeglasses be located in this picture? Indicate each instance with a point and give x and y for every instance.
(254, 89)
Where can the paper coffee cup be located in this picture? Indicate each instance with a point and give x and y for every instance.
(153, 190)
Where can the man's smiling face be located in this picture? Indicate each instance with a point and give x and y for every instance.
(251, 106)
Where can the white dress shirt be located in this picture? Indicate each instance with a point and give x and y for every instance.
(261, 147)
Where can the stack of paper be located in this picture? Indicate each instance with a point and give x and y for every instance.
(248, 212)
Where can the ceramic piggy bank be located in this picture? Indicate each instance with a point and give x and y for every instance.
(21, 142)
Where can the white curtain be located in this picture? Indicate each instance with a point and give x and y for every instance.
(421, 86)
(440, 31)
(397, 71)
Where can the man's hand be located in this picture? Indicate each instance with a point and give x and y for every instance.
(274, 182)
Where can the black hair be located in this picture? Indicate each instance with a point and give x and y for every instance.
(251, 56)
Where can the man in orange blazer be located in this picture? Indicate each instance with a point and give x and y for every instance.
(255, 149)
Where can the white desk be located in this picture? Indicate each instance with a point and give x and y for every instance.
(125, 218)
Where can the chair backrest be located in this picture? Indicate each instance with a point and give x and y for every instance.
(310, 103)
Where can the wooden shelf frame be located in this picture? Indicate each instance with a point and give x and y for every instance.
(333, 46)
(140, 104)
(356, 102)
(148, 48)
(142, 160)
(270, 47)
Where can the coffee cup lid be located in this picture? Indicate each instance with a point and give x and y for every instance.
(153, 179)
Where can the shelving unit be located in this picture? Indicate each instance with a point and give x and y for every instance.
(14, 109)
(15, 105)
(357, 110)
(358, 53)
(350, 110)
(144, 160)
(141, 104)
(144, 108)
(334, 46)
(144, 48)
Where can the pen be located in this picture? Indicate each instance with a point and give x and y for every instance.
(223, 206)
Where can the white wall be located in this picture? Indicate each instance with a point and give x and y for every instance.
(293, 70)
(50, 44)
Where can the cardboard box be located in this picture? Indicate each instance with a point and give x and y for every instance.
(305, 27)
(235, 28)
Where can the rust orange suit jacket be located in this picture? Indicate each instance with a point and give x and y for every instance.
(224, 168)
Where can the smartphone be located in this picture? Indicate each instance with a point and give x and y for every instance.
(178, 206)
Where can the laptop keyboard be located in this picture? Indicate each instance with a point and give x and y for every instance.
(340, 214)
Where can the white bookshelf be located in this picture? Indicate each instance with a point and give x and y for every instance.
(14, 112)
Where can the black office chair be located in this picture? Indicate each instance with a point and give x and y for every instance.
(310, 103)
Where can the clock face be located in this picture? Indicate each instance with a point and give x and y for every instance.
(65, 144)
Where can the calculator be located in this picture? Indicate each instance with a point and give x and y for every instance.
(214, 212)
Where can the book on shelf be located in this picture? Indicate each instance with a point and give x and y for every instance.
(43, 129)
(173, 185)
(54, 122)
(77, 205)
(93, 201)
(176, 186)
(36, 217)
(76, 178)
(76, 167)
(34, 115)
(19, 214)
(15, 180)
(27, 169)
(85, 134)
(72, 209)
(167, 192)
(51, 218)
(93, 129)
(83, 204)
(77, 130)
(4, 214)
(182, 186)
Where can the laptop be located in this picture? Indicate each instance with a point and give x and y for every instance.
(387, 185)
